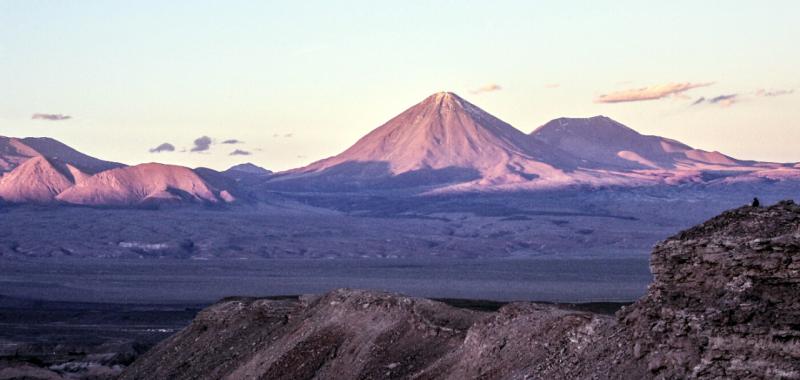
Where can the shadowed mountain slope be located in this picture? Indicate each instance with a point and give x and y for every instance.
(15, 151)
(246, 169)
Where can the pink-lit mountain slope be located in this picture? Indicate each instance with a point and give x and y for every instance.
(38, 180)
(443, 139)
(445, 143)
(142, 184)
(604, 144)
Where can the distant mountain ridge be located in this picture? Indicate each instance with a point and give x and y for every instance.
(141, 184)
(602, 141)
(443, 140)
(447, 144)
(15, 151)
(442, 144)
(43, 170)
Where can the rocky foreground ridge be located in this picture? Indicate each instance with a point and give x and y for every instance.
(725, 303)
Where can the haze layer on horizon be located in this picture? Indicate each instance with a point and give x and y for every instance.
(282, 84)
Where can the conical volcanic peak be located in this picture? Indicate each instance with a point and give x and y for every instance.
(445, 132)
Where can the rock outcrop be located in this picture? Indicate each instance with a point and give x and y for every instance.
(344, 334)
(725, 303)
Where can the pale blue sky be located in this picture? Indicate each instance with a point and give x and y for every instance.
(135, 74)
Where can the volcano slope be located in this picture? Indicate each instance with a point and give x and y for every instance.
(725, 303)
(443, 139)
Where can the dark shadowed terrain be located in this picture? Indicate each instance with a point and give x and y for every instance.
(117, 281)
(205, 281)
(81, 339)
(723, 304)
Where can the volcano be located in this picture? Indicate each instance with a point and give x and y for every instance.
(446, 143)
(601, 142)
(443, 139)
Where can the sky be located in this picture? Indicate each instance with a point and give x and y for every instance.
(285, 83)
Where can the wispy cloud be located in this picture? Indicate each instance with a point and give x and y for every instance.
(165, 147)
(771, 93)
(284, 135)
(491, 87)
(232, 141)
(239, 152)
(50, 116)
(552, 85)
(649, 93)
(727, 100)
(722, 100)
(201, 144)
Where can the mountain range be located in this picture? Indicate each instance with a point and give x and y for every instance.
(442, 144)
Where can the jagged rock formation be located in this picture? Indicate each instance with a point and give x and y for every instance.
(344, 334)
(725, 303)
